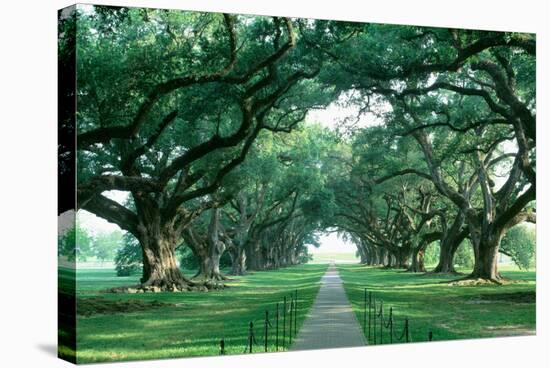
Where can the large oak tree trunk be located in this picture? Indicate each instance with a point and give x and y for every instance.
(209, 269)
(376, 256)
(275, 257)
(364, 256)
(255, 257)
(294, 256)
(417, 263)
(402, 257)
(384, 257)
(283, 258)
(448, 246)
(417, 260)
(486, 246)
(446, 257)
(208, 249)
(391, 260)
(209, 264)
(238, 261)
(160, 266)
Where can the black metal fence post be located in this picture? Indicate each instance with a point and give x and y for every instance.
(295, 310)
(277, 328)
(374, 321)
(250, 337)
(222, 346)
(365, 312)
(266, 329)
(290, 324)
(370, 307)
(381, 322)
(391, 325)
(406, 330)
(284, 321)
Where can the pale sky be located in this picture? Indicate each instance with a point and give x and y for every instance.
(339, 112)
(330, 243)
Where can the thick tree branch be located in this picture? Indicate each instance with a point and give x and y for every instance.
(455, 128)
(113, 212)
(401, 173)
(103, 183)
(129, 160)
(506, 94)
(506, 218)
(104, 134)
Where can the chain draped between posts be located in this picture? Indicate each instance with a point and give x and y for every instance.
(375, 323)
(281, 325)
(278, 330)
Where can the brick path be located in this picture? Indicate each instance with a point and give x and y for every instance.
(331, 322)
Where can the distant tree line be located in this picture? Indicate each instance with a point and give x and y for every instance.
(78, 244)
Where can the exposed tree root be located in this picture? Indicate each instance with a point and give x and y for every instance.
(159, 286)
(202, 277)
(472, 280)
(215, 281)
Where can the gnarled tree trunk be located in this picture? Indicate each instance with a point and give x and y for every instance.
(384, 257)
(390, 260)
(208, 249)
(255, 256)
(160, 266)
(450, 242)
(238, 261)
(364, 257)
(402, 257)
(376, 259)
(447, 250)
(486, 244)
(417, 260)
(417, 263)
(209, 269)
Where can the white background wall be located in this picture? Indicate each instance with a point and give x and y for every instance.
(28, 181)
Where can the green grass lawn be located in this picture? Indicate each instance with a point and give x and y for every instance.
(192, 323)
(449, 311)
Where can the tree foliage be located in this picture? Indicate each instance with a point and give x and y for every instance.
(129, 258)
(199, 118)
(520, 244)
(76, 244)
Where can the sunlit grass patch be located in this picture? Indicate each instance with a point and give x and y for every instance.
(434, 304)
(191, 323)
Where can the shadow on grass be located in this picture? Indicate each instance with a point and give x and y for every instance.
(196, 321)
(450, 312)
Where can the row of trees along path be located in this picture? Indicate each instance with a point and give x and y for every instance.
(203, 133)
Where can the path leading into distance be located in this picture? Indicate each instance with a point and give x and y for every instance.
(331, 322)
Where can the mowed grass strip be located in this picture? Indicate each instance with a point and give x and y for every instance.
(449, 311)
(192, 323)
